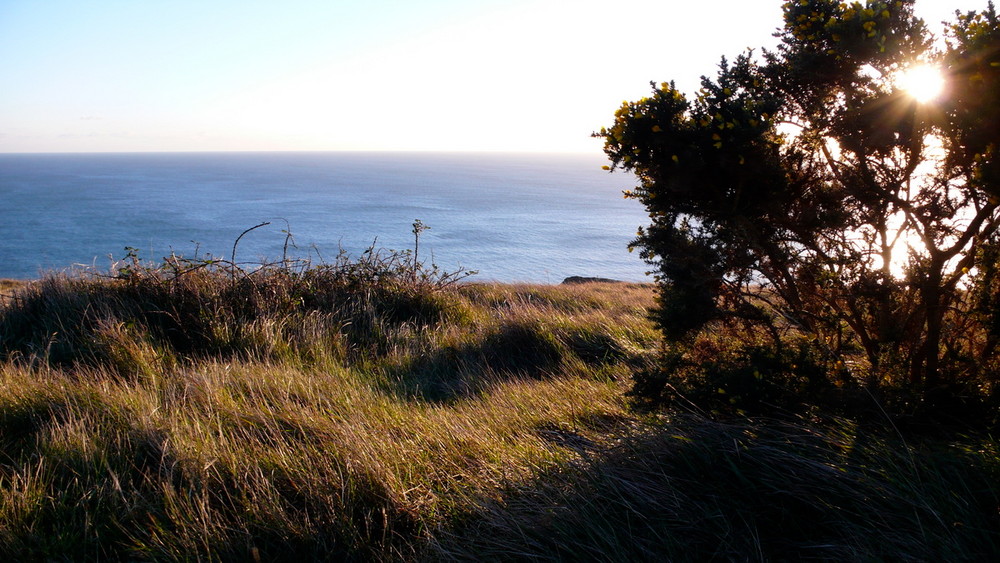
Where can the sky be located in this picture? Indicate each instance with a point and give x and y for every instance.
(371, 75)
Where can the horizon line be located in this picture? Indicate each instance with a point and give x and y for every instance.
(314, 151)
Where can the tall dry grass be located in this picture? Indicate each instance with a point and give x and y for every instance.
(749, 490)
(318, 414)
(364, 413)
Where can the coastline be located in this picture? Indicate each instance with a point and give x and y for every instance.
(536, 218)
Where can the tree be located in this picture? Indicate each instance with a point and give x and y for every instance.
(805, 192)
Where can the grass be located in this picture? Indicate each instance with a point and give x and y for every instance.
(7, 287)
(360, 412)
(697, 490)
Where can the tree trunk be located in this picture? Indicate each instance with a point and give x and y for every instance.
(925, 363)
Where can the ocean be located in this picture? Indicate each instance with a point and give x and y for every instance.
(512, 217)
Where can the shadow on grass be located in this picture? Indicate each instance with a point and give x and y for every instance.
(699, 491)
(514, 350)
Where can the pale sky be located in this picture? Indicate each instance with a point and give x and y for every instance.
(436, 75)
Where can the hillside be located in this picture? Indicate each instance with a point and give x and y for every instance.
(357, 413)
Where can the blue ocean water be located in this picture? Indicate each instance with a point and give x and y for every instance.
(512, 217)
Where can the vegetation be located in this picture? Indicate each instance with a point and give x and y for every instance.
(804, 195)
(827, 398)
(366, 411)
(193, 410)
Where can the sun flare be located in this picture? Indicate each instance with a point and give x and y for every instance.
(924, 82)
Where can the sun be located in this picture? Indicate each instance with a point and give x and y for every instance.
(923, 82)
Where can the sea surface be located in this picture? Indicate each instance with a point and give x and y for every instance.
(511, 217)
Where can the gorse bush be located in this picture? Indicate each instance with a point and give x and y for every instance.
(804, 191)
(748, 379)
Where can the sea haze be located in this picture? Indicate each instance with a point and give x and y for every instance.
(512, 217)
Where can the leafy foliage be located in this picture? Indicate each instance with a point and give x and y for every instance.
(805, 193)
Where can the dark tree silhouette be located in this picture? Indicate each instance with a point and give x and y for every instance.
(805, 192)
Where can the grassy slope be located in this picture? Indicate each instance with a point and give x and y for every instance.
(477, 421)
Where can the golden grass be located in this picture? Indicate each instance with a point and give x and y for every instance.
(476, 421)
(359, 452)
(7, 288)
